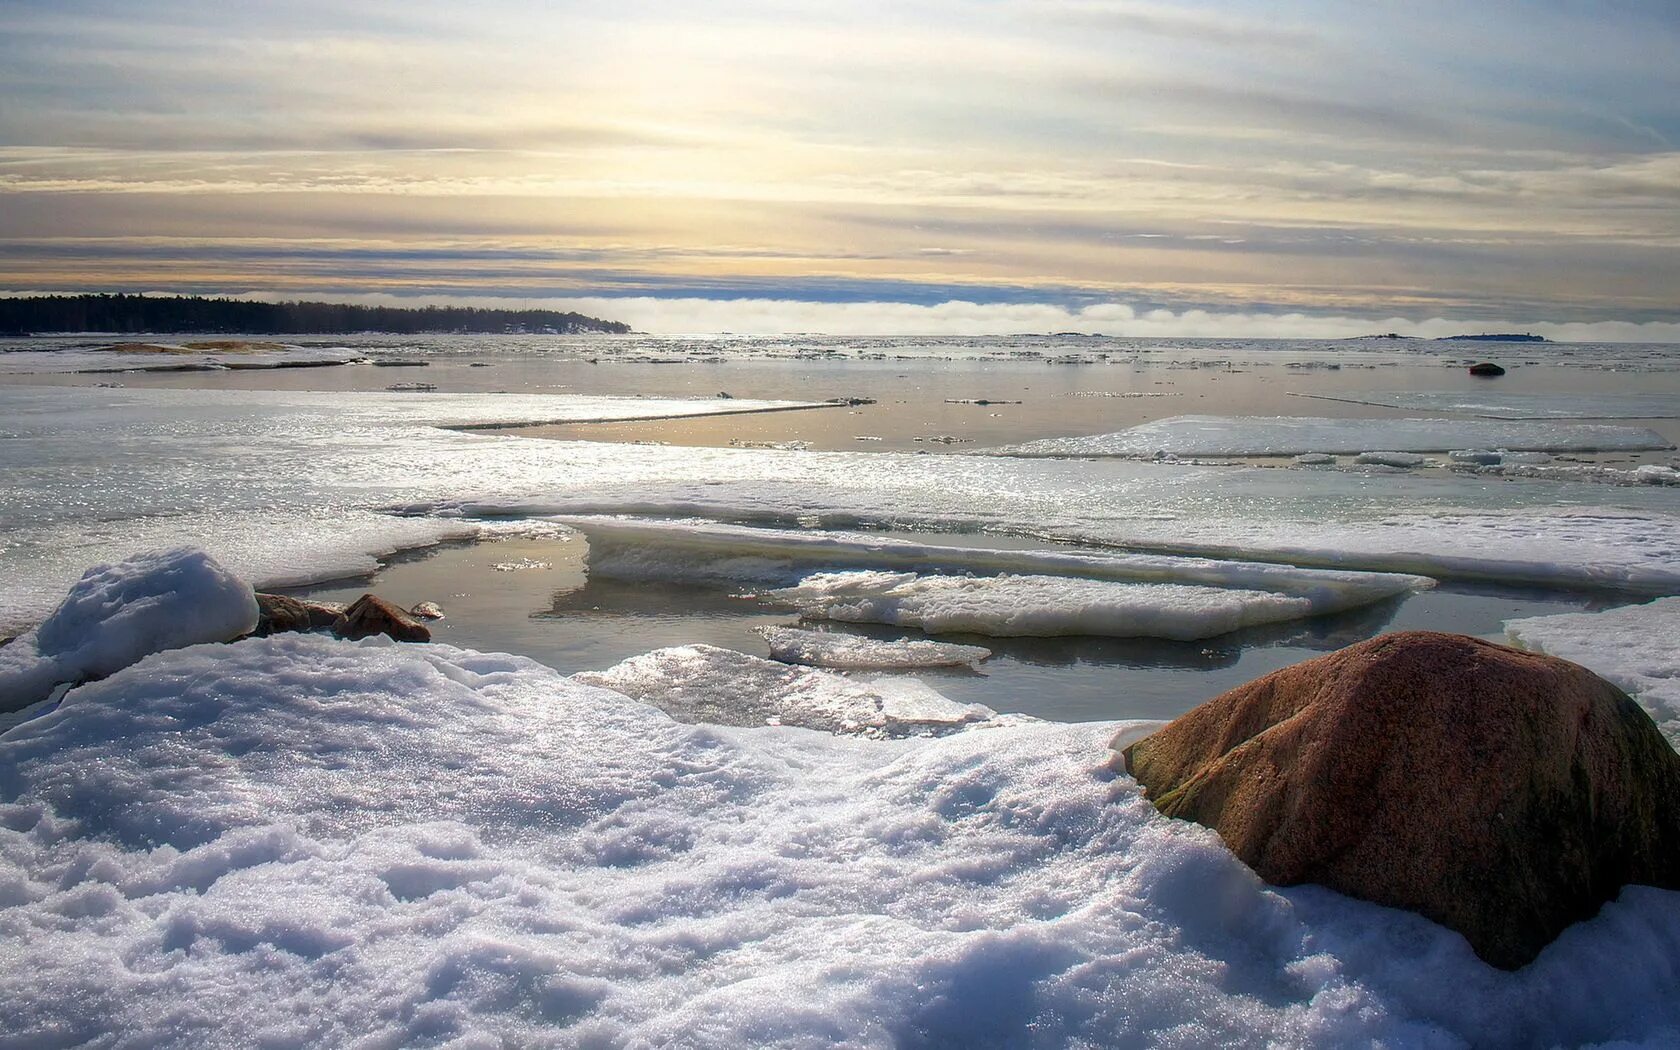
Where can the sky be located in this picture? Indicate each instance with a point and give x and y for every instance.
(1208, 168)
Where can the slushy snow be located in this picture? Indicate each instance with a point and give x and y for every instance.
(118, 613)
(301, 841)
(1636, 647)
(1294, 435)
(708, 684)
(794, 645)
(1037, 606)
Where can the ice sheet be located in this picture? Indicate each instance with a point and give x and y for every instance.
(794, 645)
(283, 487)
(707, 684)
(708, 551)
(1012, 606)
(1636, 646)
(1294, 435)
(1507, 405)
(297, 841)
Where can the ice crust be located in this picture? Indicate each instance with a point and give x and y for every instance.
(1573, 405)
(285, 487)
(712, 552)
(1637, 647)
(794, 645)
(1296, 435)
(710, 685)
(1037, 606)
(118, 613)
(298, 841)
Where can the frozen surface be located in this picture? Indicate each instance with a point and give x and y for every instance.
(286, 487)
(707, 684)
(297, 841)
(1502, 405)
(794, 645)
(707, 551)
(1037, 606)
(1294, 435)
(118, 613)
(1636, 646)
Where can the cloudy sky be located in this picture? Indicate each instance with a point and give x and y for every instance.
(1210, 167)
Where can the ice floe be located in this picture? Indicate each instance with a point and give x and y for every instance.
(300, 841)
(708, 684)
(1636, 646)
(1037, 606)
(1294, 435)
(795, 645)
(1510, 405)
(118, 613)
(701, 551)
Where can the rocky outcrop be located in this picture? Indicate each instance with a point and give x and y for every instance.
(1486, 369)
(1501, 793)
(277, 614)
(370, 615)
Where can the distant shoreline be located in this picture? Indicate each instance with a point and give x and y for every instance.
(197, 315)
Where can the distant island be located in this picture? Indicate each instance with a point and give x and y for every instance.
(1495, 337)
(148, 313)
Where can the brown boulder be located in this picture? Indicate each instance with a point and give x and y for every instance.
(276, 613)
(1501, 793)
(370, 615)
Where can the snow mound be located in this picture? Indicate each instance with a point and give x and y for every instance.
(709, 552)
(707, 684)
(296, 841)
(1038, 606)
(118, 613)
(1633, 646)
(791, 645)
(1294, 435)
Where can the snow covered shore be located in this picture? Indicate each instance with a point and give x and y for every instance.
(301, 840)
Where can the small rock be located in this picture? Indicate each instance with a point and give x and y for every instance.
(1501, 793)
(370, 615)
(1486, 368)
(277, 614)
(427, 611)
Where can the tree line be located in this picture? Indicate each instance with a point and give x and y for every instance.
(149, 313)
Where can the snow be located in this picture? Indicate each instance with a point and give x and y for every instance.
(708, 684)
(793, 645)
(1637, 647)
(1037, 606)
(118, 613)
(1294, 435)
(1577, 404)
(698, 551)
(301, 841)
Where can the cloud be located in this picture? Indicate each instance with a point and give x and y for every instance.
(959, 318)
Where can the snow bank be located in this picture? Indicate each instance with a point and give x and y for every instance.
(699, 551)
(298, 841)
(792, 645)
(707, 684)
(1294, 435)
(1037, 606)
(1636, 646)
(120, 612)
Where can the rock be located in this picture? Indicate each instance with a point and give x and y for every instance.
(427, 611)
(1486, 368)
(277, 614)
(1501, 793)
(370, 615)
